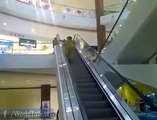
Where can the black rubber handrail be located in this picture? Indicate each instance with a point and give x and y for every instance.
(124, 79)
(125, 5)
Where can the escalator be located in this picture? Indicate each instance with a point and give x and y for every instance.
(83, 92)
(96, 104)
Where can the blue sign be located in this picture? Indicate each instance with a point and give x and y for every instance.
(6, 43)
(4, 46)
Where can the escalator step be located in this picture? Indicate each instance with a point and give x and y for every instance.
(97, 104)
(82, 75)
(85, 82)
(85, 85)
(92, 97)
(84, 79)
(112, 118)
(89, 90)
(100, 113)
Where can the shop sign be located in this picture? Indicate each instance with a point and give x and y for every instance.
(27, 42)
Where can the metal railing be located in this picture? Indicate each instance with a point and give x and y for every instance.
(111, 31)
(118, 104)
(105, 66)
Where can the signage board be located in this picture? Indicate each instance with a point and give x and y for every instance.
(27, 42)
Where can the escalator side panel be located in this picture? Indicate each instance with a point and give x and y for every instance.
(97, 106)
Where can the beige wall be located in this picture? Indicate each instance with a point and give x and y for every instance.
(87, 4)
(29, 98)
(16, 80)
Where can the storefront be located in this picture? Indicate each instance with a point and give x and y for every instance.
(15, 45)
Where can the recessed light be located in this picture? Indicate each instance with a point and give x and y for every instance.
(27, 80)
(120, 25)
(5, 24)
(50, 8)
(32, 30)
(2, 81)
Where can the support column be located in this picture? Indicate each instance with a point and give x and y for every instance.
(101, 32)
(45, 101)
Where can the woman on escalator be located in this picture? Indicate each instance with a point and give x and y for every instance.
(69, 46)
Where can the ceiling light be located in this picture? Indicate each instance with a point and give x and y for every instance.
(2, 81)
(32, 30)
(50, 8)
(27, 80)
(64, 11)
(134, 0)
(5, 24)
(120, 25)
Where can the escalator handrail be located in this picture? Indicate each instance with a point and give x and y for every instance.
(124, 79)
(125, 5)
(119, 106)
(79, 103)
(60, 88)
(69, 108)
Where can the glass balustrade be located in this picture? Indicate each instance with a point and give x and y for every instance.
(140, 98)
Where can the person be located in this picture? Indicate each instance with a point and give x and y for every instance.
(55, 41)
(57, 116)
(69, 46)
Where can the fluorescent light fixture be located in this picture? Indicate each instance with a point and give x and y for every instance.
(5, 24)
(153, 93)
(32, 30)
(64, 64)
(101, 75)
(24, 1)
